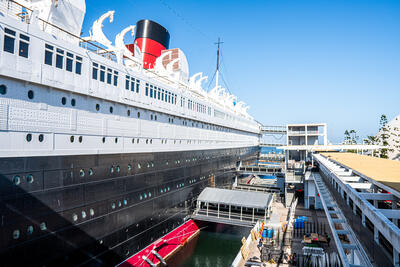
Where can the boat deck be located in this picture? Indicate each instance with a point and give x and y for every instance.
(384, 171)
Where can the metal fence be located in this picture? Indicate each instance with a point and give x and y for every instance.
(376, 252)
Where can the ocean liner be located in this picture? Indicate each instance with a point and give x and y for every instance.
(103, 146)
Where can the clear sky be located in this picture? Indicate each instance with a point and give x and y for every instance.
(291, 61)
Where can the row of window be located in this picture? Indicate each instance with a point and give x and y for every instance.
(9, 43)
(29, 230)
(99, 72)
(63, 59)
(132, 84)
(160, 94)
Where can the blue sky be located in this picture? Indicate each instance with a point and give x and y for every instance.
(291, 61)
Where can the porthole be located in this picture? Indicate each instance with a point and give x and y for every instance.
(129, 167)
(118, 168)
(81, 173)
(31, 94)
(151, 117)
(41, 137)
(147, 141)
(111, 109)
(139, 166)
(103, 139)
(91, 212)
(29, 137)
(80, 139)
(148, 165)
(16, 234)
(126, 252)
(112, 169)
(125, 202)
(64, 101)
(128, 112)
(133, 140)
(151, 141)
(113, 205)
(149, 194)
(116, 140)
(168, 188)
(152, 164)
(3, 89)
(72, 138)
(29, 230)
(29, 178)
(73, 102)
(83, 214)
(166, 163)
(137, 141)
(145, 195)
(90, 172)
(155, 117)
(140, 197)
(16, 179)
(119, 204)
(74, 217)
(97, 107)
(138, 114)
(161, 191)
(43, 226)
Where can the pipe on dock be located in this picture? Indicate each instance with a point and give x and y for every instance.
(159, 257)
(149, 261)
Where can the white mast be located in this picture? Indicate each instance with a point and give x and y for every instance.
(217, 72)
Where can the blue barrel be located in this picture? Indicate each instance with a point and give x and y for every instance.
(302, 224)
(295, 223)
(264, 233)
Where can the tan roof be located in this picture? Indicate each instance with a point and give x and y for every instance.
(384, 171)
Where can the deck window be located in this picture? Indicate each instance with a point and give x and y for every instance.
(9, 40)
(69, 62)
(102, 73)
(48, 55)
(158, 93)
(162, 94)
(78, 65)
(147, 89)
(151, 91)
(127, 78)
(109, 76)
(115, 78)
(133, 84)
(23, 45)
(137, 85)
(59, 58)
(95, 71)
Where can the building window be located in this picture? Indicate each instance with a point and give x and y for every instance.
(69, 62)
(59, 58)
(23, 45)
(9, 40)
(95, 70)
(78, 65)
(48, 55)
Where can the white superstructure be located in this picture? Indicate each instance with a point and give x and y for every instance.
(60, 95)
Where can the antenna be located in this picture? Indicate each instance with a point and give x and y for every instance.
(217, 72)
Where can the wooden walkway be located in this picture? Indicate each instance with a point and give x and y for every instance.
(384, 171)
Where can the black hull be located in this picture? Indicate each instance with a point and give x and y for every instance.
(101, 209)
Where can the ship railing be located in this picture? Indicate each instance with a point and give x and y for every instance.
(22, 13)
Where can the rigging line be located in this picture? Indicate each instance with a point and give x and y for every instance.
(212, 79)
(227, 87)
(185, 20)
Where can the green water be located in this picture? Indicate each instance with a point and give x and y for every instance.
(217, 245)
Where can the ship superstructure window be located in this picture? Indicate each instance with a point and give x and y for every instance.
(102, 73)
(78, 65)
(23, 45)
(132, 84)
(109, 75)
(48, 54)
(95, 70)
(59, 58)
(69, 62)
(9, 40)
(115, 78)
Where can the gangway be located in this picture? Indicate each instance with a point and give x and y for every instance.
(233, 207)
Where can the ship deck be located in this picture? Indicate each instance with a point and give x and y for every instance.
(384, 171)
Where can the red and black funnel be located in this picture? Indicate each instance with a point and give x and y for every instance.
(151, 38)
